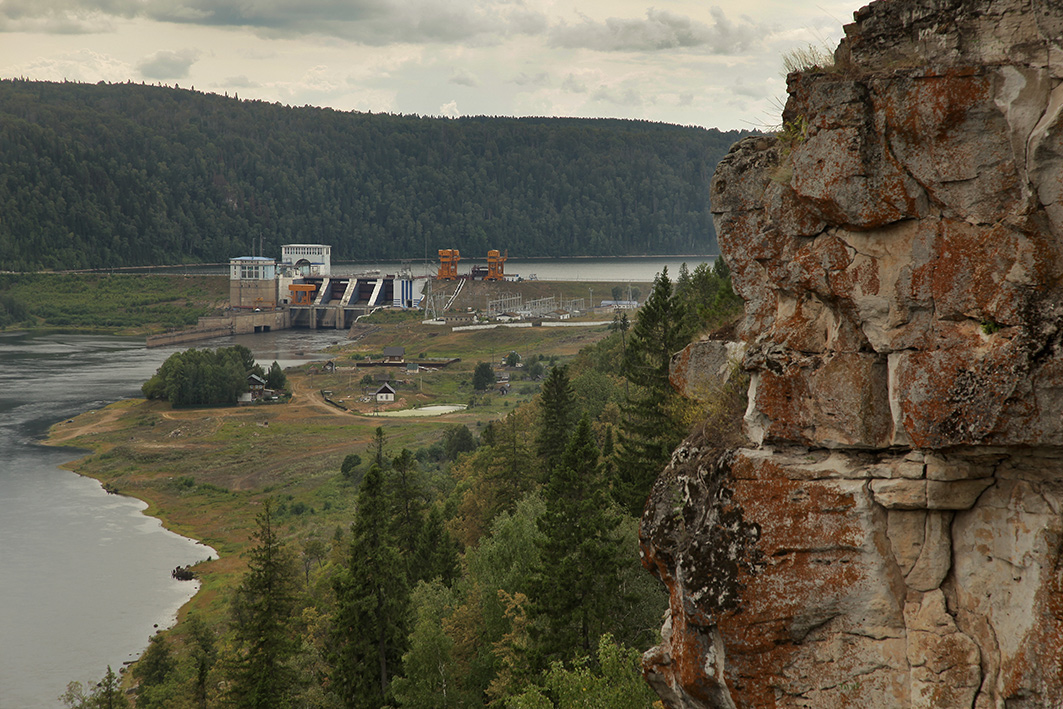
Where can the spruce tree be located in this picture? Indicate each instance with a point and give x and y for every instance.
(152, 671)
(649, 430)
(203, 655)
(406, 493)
(276, 378)
(436, 555)
(511, 469)
(576, 585)
(261, 676)
(555, 417)
(372, 597)
(108, 693)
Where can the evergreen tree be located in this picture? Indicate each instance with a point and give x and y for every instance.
(483, 376)
(378, 447)
(372, 596)
(349, 467)
(511, 470)
(261, 676)
(458, 439)
(406, 493)
(555, 417)
(203, 654)
(276, 378)
(649, 429)
(436, 556)
(195, 177)
(108, 693)
(576, 586)
(152, 671)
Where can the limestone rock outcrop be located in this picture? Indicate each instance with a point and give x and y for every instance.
(892, 535)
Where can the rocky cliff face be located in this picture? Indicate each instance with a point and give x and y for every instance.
(891, 534)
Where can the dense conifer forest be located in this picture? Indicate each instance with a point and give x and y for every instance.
(124, 174)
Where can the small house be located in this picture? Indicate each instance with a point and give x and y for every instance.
(459, 318)
(385, 393)
(394, 354)
(256, 386)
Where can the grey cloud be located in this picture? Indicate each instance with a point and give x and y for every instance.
(660, 30)
(539, 79)
(61, 16)
(574, 85)
(373, 22)
(241, 82)
(741, 88)
(464, 78)
(167, 64)
(627, 97)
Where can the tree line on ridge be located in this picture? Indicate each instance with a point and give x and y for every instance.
(106, 175)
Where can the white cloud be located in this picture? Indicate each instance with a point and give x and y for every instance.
(84, 65)
(167, 64)
(450, 110)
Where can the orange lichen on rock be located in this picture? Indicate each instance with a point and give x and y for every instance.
(891, 535)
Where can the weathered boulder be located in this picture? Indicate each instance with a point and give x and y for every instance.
(891, 535)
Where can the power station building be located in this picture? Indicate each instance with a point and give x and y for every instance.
(307, 259)
(303, 285)
(253, 283)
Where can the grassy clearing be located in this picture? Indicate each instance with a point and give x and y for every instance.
(126, 303)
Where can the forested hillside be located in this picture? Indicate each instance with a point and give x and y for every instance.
(125, 174)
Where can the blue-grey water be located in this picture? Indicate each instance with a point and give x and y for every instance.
(620, 268)
(636, 269)
(84, 576)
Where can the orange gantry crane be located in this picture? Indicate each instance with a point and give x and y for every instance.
(496, 263)
(448, 264)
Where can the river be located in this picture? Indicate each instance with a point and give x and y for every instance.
(84, 576)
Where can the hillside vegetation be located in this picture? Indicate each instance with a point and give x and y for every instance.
(124, 174)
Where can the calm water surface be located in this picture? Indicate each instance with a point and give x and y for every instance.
(635, 269)
(84, 576)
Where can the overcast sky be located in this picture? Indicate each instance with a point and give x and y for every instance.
(714, 64)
